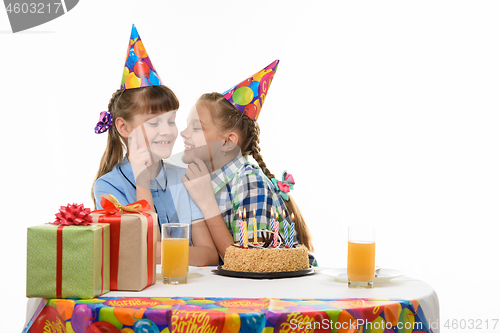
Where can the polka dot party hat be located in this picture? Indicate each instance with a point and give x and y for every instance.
(139, 70)
(249, 95)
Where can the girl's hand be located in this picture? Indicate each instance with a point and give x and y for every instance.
(199, 185)
(139, 157)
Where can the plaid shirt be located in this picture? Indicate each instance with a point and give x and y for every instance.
(238, 185)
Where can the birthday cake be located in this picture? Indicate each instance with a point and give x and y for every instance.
(263, 257)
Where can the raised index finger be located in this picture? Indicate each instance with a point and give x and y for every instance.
(138, 137)
(132, 141)
(146, 141)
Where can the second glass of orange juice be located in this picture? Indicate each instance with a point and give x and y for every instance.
(175, 252)
(361, 257)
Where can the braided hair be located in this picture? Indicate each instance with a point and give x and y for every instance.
(227, 117)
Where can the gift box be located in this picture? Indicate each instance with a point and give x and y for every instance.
(67, 261)
(133, 237)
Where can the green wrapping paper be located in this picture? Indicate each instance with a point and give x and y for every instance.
(77, 269)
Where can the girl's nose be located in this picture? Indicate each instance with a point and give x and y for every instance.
(185, 133)
(166, 128)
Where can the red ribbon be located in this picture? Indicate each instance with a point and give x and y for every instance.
(151, 249)
(112, 211)
(102, 264)
(59, 261)
(114, 243)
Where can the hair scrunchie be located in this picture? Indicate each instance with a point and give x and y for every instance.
(104, 123)
(285, 185)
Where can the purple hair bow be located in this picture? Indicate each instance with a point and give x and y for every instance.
(105, 121)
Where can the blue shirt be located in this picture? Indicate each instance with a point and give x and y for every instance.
(170, 197)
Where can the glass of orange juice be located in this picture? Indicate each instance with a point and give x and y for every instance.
(361, 257)
(174, 252)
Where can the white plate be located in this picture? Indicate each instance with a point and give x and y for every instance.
(385, 274)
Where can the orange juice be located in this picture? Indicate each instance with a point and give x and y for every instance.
(361, 261)
(175, 257)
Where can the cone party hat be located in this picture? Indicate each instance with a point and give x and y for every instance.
(249, 95)
(139, 70)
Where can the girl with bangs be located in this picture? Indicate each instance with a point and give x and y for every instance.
(141, 127)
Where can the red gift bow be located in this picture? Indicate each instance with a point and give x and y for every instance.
(73, 214)
(112, 210)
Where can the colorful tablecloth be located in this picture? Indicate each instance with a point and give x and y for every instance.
(213, 303)
(228, 315)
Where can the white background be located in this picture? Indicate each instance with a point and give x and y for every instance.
(385, 112)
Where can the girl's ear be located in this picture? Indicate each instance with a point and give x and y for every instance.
(231, 142)
(123, 127)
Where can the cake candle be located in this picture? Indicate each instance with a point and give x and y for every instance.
(276, 230)
(240, 222)
(285, 226)
(272, 220)
(245, 237)
(292, 230)
(254, 229)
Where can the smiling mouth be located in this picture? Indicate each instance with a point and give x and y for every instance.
(162, 143)
(188, 147)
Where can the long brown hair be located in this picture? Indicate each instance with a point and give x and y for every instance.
(126, 104)
(226, 117)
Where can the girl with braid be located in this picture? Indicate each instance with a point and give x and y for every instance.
(141, 127)
(221, 133)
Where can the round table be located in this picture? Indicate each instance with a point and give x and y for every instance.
(204, 282)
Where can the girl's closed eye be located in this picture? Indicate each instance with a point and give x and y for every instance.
(197, 126)
(171, 122)
(152, 121)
